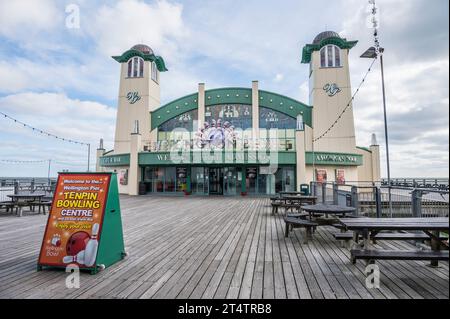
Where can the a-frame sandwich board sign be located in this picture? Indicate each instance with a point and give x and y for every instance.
(84, 226)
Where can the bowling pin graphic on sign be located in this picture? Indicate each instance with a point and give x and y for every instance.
(78, 258)
(90, 253)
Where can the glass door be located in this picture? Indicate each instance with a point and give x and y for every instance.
(229, 180)
(199, 182)
(215, 181)
(251, 179)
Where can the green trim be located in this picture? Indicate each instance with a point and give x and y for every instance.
(286, 105)
(173, 109)
(364, 149)
(232, 95)
(310, 48)
(160, 64)
(336, 159)
(115, 160)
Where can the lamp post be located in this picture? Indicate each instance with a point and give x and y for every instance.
(371, 53)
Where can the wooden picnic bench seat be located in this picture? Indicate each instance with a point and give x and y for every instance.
(7, 205)
(387, 236)
(43, 205)
(293, 222)
(19, 205)
(291, 206)
(298, 215)
(372, 255)
(275, 206)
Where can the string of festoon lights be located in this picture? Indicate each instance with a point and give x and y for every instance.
(349, 104)
(43, 132)
(48, 134)
(8, 161)
(22, 162)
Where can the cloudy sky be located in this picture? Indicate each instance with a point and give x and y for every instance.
(64, 80)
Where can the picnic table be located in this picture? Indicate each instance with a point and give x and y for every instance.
(368, 228)
(286, 193)
(20, 200)
(327, 210)
(292, 202)
(300, 199)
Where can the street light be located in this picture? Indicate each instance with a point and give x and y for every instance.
(372, 53)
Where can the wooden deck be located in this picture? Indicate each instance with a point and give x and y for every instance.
(214, 247)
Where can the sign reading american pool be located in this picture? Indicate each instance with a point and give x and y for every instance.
(322, 158)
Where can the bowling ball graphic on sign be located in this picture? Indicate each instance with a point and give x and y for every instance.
(77, 242)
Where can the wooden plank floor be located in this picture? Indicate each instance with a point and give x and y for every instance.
(214, 247)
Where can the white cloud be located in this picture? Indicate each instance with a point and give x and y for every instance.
(304, 92)
(18, 18)
(278, 77)
(58, 114)
(117, 27)
(94, 77)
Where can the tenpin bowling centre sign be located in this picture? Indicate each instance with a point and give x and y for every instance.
(84, 226)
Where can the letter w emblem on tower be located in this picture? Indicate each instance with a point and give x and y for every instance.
(133, 97)
(331, 89)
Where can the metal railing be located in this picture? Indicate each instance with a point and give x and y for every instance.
(4, 192)
(9, 186)
(373, 200)
(429, 183)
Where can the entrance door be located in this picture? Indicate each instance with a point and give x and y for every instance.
(199, 180)
(229, 181)
(215, 181)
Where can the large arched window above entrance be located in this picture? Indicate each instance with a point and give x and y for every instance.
(238, 116)
(135, 67)
(269, 118)
(283, 125)
(185, 120)
(330, 56)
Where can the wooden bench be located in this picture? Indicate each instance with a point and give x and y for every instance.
(293, 222)
(288, 207)
(275, 206)
(298, 215)
(8, 205)
(372, 255)
(43, 205)
(387, 236)
(20, 205)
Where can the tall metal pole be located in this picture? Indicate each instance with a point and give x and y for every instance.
(89, 157)
(48, 172)
(386, 133)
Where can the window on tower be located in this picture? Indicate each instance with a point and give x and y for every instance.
(330, 56)
(154, 72)
(135, 67)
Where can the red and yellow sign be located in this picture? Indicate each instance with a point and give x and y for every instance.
(75, 221)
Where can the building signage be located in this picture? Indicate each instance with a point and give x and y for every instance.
(331, 89)
(217, 157)
(84, 226)
(133, 97)
(115, 160)
(321, 158)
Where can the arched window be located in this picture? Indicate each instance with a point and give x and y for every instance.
(330, 56)
(135, 67)
(154, 72)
